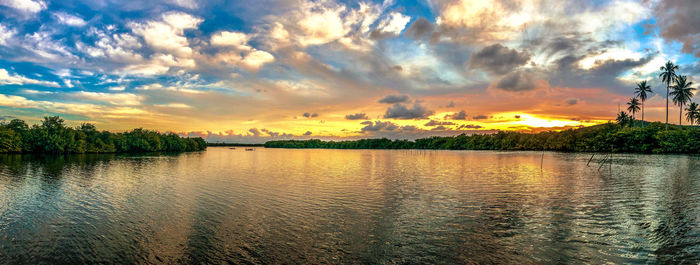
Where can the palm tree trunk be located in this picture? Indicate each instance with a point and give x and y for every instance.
(680, 116)
(642, 111)
(667, 88)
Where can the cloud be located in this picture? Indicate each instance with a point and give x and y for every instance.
(252, 135)
(68, 19)
(310, 115)
(89, 110)
(480, 117)
(493, 21)
(516, 82)
(356, 116)
(257, 59)
(231, 39)
(391, 99)
(469, 126)
(498, 59)
(391, 26)
(159, 87)
(16, 101)
(6, 34)
(461, 115)
(398, 111)
(315, 23)
(25, 6)
(378, 126)
(438, 123)
(117, 88)
(190, 4)
(678, 20)
(37, 92)
(307, 133)
(322, 24)
(118, 99)
(7, 78)
(117, 47)
(420, 29)
(167, 33)
(393, 131)
(174, 105)
(571, 101)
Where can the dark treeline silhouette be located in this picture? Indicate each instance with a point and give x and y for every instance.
(233, 144)
(615, 137)
(53, 136)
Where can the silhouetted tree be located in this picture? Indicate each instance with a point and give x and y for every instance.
(668, 75)
(52, 136)
(641, 92)
(692, 113)
(633, 106)
(682, 93)
(623, 118)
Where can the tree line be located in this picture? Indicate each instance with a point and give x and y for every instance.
(53, 136)
(609, 137)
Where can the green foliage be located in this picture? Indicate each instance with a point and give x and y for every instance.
(648, 138)
(52, 136)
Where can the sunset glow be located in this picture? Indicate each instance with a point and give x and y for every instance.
(252, 71)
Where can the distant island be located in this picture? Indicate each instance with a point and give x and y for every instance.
(626, 136)
(53, 136)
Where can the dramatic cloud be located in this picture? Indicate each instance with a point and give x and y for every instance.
(516, 81)
(678, 20)
(211, 69)
(398, 111)
(391, 99)
(356, 116)
(498, 59)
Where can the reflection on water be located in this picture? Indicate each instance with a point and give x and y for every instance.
(348, 206)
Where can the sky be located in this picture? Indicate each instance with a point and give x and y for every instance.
(252, 71)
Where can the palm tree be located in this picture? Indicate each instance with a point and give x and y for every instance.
(633, 106)
(682, 93)
(641, 92)
(668, 75)
(622, 118)
(692, 113)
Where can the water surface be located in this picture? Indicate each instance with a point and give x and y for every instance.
(349, 206)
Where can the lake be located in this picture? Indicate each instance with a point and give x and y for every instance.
(349, 206)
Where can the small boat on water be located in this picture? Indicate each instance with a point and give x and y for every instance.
(250, 149)
(231, 148)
